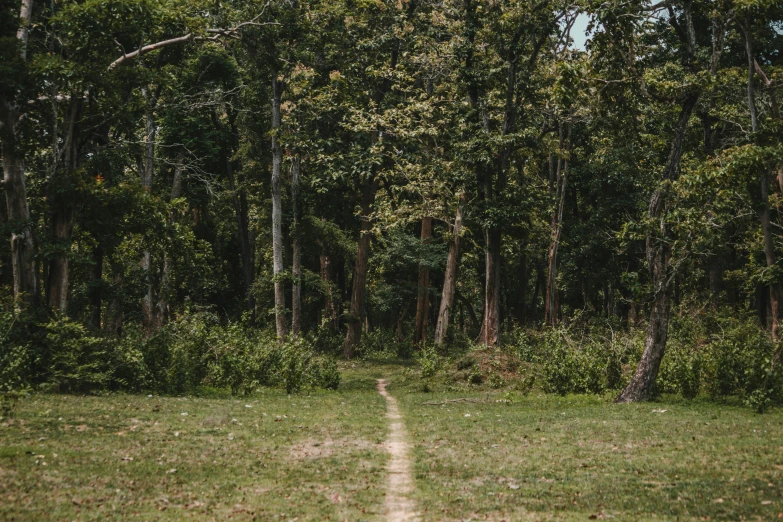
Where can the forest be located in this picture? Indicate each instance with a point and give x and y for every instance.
(401, 260)
(226, 193)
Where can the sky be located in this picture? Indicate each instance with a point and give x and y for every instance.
(578, 31)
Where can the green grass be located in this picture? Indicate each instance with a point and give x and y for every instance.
(319, 456)
(580, 457)
(122, 457)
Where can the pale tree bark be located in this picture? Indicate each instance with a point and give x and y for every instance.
(764, 213)
(62, 210)
(6, 274)
(148, 302)
(423, 294)
(166, 283)
(277, 212)
(296, 254)
(551, 311)
(25, 278)
(239, 200)
(356, 314)
(25, 15)
(449, 281)
(330, 311)
(658, 260)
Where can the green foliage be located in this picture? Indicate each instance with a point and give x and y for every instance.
(384, 344)
(429, 363)
(578, 366)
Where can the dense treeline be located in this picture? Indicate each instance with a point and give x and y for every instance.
(394, 172)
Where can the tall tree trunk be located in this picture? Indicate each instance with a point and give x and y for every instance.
(25, 280)
(296, 262)
(423, 294)
(239, 200)
(449, 281)
(551, 311)
(25, 277)
(148, 302)
(537, 292)
(58, 274)
(658, 257)
(490, 327)
(96, 287)
(166, 284)
(766, 230)
(6, 273)
(277, 211)
(523, 277)
(62, 210)
(113, 322)
(329, 312)
(25, 15)
(357, 311)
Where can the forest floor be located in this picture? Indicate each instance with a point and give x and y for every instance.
(474, 454)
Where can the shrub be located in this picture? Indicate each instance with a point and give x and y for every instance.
(739, 361)
(80, 361)
(324, 373)
(571, 368)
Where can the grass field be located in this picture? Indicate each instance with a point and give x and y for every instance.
(320, 456)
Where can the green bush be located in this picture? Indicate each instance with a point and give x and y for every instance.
(323, 373)
(739, 361)
(80, 361)
(571, 368)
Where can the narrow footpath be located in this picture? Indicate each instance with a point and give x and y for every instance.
(399, 506)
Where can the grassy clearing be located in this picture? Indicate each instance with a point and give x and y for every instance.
(319, 456)
(544, 457)
(120, 457)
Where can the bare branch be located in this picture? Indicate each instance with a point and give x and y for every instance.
(151, 47)
(230, 32)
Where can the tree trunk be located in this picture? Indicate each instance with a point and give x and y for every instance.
(329, 312)
(466, 304)
(490, 327)
(96, 287)
(239, 200)
(166, 287)
(769, 247)
(401, 323)
(537, 292)
(449, 281)
(551, 311)
(658, 256)
(423, 294)
(25, 280)
(6, 274)
(277, 210)
(296, 262)
(357, 311)
(523, 279)
(57, 282)
(60, 198)
(149, 300)
(113, 322)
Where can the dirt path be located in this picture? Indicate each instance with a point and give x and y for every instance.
(399, 486)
